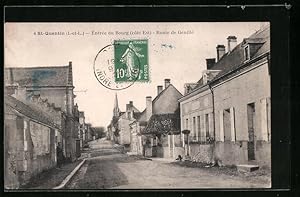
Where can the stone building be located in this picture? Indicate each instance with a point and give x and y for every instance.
(242, 101)
(130, 115)
(155, 133)
(55, 84)
(118, 130)
(109, 133)
(76, 118)
(230, 105)
(197, 116)
(31, 131)
(89, 132)
(82, 128)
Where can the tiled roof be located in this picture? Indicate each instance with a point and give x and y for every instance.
(163, 124)
(162, 92)
(28, 111)
(136, 115)
(235, 59)
(142, 117)
(39, 76)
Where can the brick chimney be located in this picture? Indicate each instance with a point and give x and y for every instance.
(129, 106)
(220, 51)
(159, 89)
(231, 43)
(70, 74)
(167, 82)
(210, 62)
(148, 107)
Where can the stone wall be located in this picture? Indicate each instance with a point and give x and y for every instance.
(124, 131)
(202, 152)
(235, 94)
(22, 161)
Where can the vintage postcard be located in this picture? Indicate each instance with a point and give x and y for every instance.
(137, 105)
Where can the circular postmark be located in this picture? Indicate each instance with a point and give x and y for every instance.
(116, 66)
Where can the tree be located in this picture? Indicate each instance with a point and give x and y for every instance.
(99, 132)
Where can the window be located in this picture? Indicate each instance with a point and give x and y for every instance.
(202, 129)
(232, 123)
(199, 129)
(194, 128)
(247, 52)
(206, 126)
(155, 141)
(187, 123)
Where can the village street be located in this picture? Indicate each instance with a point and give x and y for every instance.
(108, 168)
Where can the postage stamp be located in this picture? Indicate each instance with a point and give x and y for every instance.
(131, 60)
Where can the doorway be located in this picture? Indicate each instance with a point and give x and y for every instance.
(251, 123)
(227, 125)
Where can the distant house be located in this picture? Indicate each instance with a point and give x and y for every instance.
(130, 115)
(76, 121)
(156, 131)
(55, 84)
(118, 130)
(228, 110)
(31, 135)
(82, 128)
(89, 132)
(109, 135)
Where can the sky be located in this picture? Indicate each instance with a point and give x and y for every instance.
(182, 63)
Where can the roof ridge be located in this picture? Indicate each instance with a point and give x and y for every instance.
(164, 91)
(35, 114)
(260, 30)
(36, 67)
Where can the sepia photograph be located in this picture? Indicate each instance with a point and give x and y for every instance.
(137, 105)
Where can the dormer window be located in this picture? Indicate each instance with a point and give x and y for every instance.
(247, 52)
(251, 46)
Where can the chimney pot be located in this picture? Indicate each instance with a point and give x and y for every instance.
(231, 43)
(167, 82)
(131, 103)
(220, 51)
(159, 89)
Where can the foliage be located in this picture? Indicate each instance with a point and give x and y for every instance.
(117, 132)
(99, 131)
(162, 124)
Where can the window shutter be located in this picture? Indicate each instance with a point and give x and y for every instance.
(221, 126)
(232, 124)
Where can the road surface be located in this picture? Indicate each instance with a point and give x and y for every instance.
(107, 168)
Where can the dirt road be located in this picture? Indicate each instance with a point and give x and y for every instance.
(107, 168)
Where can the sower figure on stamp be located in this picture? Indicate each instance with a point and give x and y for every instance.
(60, 155)
(128, 58)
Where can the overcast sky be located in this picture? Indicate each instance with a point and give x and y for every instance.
(182, 63)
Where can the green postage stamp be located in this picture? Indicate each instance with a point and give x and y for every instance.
(131, 60)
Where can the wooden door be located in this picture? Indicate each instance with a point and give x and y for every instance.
(251, 134)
